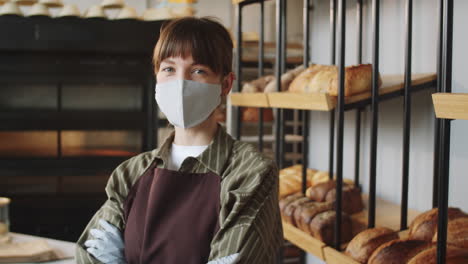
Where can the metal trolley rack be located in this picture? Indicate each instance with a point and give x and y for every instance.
(66, 51)
(314, 102)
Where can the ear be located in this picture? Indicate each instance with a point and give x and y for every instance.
(227, 83)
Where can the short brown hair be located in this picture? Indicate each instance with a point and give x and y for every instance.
(204, 38)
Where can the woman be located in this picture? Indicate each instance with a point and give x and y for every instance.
(202, 196)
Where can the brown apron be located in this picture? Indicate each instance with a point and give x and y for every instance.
(171, 217)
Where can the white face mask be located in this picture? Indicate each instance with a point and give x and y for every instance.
(187, 103)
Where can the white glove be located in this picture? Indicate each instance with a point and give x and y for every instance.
(231, 259)
(108, 245)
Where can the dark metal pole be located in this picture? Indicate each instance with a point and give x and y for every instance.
(340, 106)
(375, 110)
(407, 116)
(283, 69)
(332, 112)
(359, 31)
(445, 133)
(305, 121)
(239, 67)
(331, 151)
(279, 31)
(261, 71)
(437, 140)
(333, 31)
(357, 148)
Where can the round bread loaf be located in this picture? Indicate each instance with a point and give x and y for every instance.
(453, 255)
(364, 244)
(457, 233)
(398, 251)
(424, 225)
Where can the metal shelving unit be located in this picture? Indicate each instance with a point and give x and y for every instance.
(405, 86)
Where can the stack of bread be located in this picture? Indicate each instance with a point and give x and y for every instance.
(382, 245)
(315, 213)
(291, 179)
(324, 79)
(266, 84)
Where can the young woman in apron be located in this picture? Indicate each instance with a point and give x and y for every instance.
(202, 197)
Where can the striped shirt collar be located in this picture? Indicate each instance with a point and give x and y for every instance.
(214, 157)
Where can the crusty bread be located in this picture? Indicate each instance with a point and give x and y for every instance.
(319, 191)
(351, 199)
(250, 114)
(424, 225)
(304, 216)
(286, 79)
(324, 79)
(398, 251)
(365, 243)
(257, 85)
(457, 233)
(308, 213)
(291, 180)
(323, 227)
(296, 215)
(290, 208)
(287, 200)
(292, 176)
(453, 255)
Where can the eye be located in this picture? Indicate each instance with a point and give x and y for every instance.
(199, 71)
(168, 69)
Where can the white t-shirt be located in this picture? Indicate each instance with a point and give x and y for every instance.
(180, 153)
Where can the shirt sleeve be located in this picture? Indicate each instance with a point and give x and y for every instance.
(117, 189)
(253, 225)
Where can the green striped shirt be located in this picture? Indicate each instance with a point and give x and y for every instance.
(250, 222)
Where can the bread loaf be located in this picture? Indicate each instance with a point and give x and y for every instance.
(398, 251)
(323, 227)
(308, 213)
(457, 233)
(258, 85)
(319, 191)
(296, 215)
(365, 243)
(286, 79)
(351, 199)
(251, 114)
(287, 200)
(291, 180)
(324, 79)
(290, 208)
(453, 255)
(424, 225)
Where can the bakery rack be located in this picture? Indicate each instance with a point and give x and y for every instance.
(65, 54)
(393, 86)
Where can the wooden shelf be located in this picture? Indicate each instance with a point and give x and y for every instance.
(387, 215)
(392, 87)
(303, 240)
(249, 99)
(451, 105)
(271, 138)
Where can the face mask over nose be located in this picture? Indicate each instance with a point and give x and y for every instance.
(187, 103)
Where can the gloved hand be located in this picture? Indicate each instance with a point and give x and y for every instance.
(231, 259)
(108, 245)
